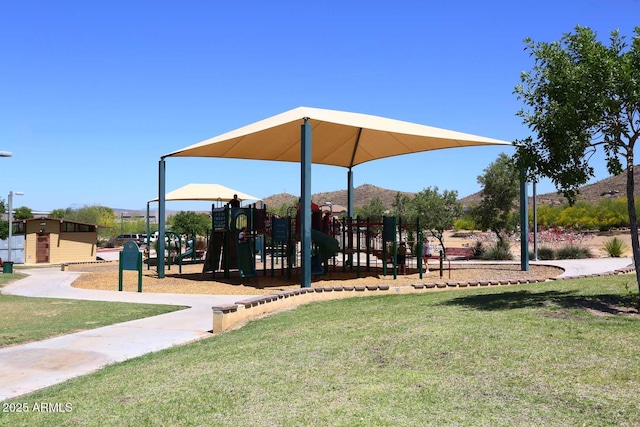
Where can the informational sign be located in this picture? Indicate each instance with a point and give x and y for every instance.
(280, 230)
(220, 219)
(130, 259)
(130, 255)
(389, 228)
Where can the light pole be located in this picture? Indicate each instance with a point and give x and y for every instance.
(535, 223)
(11, 194)
(122, 216)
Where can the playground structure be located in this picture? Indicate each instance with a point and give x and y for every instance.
(232, 240)
(240, 235)
(173, 248)
(366, 245)
(360, 246)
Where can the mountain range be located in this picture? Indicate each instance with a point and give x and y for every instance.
(362, 195)
(612, 188)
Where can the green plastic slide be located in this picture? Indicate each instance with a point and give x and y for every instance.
(327, 245)
(245, 260)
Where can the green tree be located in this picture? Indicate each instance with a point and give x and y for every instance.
(96, 214)
(613, 213)
(402, 207)
(102, 216)
(61, 213)
(500, 189)
(547, 215)
(283, 210)
(579, 96)
(4, 225)
(189, 222)
(374, 211)
(22, 212)
(465, 222)
(437, 212)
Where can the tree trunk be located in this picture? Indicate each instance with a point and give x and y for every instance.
(633, 222)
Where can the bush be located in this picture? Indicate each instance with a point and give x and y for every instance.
(545, 253)
(464, 223)
(573, 252)
(615, 247)
(110, 243)
(478, 250)
(498, 252)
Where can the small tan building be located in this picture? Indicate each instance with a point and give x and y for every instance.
(53, 240)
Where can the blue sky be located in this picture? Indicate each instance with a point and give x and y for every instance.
(92, 93)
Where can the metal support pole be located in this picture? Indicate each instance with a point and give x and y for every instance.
(10, 201)
(10, 224)
(419, 246)
(350, 211)
(350, 193)
(524, 223)
(535, 223)
(148, 242)
(305, 208)
(161, 221)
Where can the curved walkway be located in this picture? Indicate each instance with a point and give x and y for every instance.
(29, 367)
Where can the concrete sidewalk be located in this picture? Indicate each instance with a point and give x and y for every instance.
(587, 267)
(29, 367)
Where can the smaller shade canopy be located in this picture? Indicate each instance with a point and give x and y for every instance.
(210, 192)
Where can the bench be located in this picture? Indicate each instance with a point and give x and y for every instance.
(451, 253)
(465, 252)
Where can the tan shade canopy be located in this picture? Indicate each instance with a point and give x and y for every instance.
(338, 138)
(210, 192)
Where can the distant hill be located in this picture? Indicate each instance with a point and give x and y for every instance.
(611, 188)
(278, 200)
(362, 195)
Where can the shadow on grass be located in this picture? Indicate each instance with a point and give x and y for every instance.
(605, 304)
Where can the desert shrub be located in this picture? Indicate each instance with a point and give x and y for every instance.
(615, 247)
(545, 253)
(465, 223)
(570, 251)
(478, 250)
(604, 227)
(462, 234)
(498, 252)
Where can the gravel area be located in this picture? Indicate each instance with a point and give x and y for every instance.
(104, 276)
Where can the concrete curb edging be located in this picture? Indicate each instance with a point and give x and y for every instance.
(226, 316)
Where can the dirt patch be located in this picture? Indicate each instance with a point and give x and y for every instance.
(104, 276)
(593, 241)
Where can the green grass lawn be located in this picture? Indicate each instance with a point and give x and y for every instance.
(25, 319)
(6, 277)
(551, 354)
